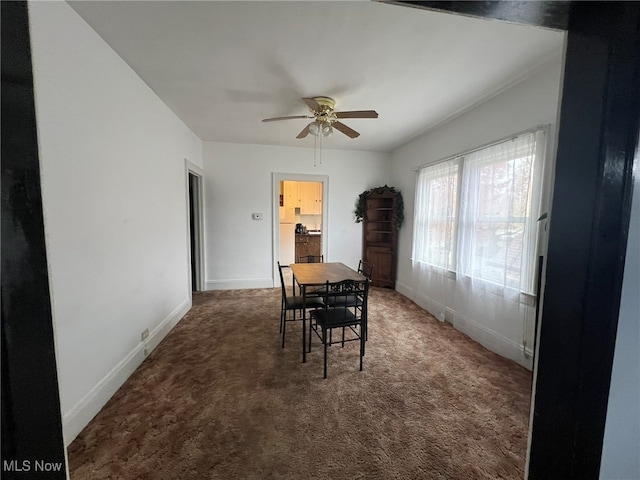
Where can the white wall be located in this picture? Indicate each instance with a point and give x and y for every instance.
(621, 447)
(113, 185)
(532, 102)
(239, 250)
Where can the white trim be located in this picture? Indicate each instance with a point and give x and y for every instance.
(477, 332)
(83, 412)
(404, 289)
(495, 342)
(191, 168)
(239, 283)
(277, 177)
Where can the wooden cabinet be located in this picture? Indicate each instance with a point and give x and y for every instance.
(307, 196)
(308, 245)
(380, 236)
(310, 198)
(290, 201)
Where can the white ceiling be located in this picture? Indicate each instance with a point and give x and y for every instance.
(224, 66)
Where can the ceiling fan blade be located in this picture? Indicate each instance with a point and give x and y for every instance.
(357, 114)
(312, 104)
(285, 118)
(349, 132)
(304, 132)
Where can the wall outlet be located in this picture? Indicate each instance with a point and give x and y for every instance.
(144, 335)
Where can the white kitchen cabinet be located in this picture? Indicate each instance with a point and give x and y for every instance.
(310, 198)
(307, 196)
(291, 201)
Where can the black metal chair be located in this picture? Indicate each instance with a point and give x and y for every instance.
(293, 303)
(349, 316)
(310, 259)
(365, 269)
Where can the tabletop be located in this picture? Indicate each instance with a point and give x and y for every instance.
(321, 273)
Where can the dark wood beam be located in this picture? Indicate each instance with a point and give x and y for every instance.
(31, 418)
(597, 140)
(537, 13)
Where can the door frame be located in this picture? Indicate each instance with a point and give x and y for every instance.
(278, 177)
(198, 227)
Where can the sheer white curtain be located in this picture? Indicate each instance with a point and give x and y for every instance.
(433, 256)
(499, 207)
(475, 230)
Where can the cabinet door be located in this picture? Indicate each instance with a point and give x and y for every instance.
(383, 261)
(305, 204)
(302, 246)
(291, 194)
(317, 202)
(290, 199)
(311, 198)
(315, 245)
(306, 198)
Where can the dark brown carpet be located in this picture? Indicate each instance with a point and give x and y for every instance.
(220, 399)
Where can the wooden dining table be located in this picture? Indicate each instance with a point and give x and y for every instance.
(309, 275)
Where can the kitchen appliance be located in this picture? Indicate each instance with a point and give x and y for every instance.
(299, 228)
(287, 243)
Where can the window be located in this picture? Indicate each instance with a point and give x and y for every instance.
(476, 214)
(436, 214)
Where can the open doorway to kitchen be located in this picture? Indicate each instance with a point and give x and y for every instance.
(299, 213)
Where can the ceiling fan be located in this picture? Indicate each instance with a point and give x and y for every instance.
(325, 119)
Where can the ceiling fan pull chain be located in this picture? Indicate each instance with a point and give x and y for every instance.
(315, 150)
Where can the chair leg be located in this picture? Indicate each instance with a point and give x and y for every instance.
(310, 331)
(361, 348)
(342, 337)
(324, 340)
(366, 331)
(284, 326)
(364, 342)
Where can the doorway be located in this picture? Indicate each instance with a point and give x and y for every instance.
(299, 217)
(195, 230)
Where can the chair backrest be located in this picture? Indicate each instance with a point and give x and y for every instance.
(284, 290)
(311, 259)
(349, 295)
(365, 268)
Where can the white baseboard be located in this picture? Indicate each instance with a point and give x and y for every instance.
(426, 303)
(495, 342)
(237, 284)
(83, 412)
(489, 339)
(404, 289)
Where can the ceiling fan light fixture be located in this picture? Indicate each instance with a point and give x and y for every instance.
(325, 119)
(314, 128)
